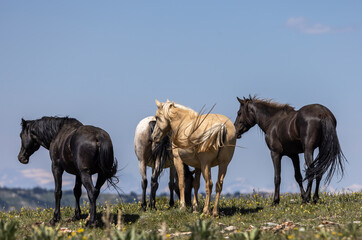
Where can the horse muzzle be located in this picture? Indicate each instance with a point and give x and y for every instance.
(23, 159)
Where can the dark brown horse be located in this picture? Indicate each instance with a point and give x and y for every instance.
(77, 149)
(289, 132)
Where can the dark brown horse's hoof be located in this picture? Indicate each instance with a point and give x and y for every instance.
(275, 203)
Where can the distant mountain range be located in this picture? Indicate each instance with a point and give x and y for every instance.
(16, 198)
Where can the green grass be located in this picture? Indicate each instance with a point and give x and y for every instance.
(337, 216)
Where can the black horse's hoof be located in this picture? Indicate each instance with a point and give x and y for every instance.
(91, 224)
(53, 221)
(275, 203)
(75, 218)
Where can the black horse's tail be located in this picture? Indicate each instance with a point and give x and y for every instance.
(330, 154)
(107, 163)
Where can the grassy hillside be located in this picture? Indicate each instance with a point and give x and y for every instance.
(335, 217)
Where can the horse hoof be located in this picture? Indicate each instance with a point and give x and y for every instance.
(90, 224)
(274, 204)
(75, 218)
(53, 222)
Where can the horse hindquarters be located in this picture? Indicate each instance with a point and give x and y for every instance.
(330, 154)
(93, 155)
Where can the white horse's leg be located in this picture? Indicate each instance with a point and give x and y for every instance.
(142, 168)
(171, 185)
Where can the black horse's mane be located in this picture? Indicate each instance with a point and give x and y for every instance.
(47, 128)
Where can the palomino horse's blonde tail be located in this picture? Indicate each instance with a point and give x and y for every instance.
(212, 138)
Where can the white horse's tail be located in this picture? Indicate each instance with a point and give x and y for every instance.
(212, 138)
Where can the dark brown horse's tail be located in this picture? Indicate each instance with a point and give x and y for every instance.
(107, 163)
(330, 154)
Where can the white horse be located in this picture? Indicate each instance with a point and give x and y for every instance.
(157, 156)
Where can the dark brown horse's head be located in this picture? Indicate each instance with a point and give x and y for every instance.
(28, 143)
(245, 118)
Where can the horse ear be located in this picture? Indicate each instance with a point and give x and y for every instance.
(168, 101)
(240, 100)
(159, 105)
(23, 123)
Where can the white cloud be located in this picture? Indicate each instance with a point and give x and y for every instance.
(302, 24)
(355, 187)
(39, 175)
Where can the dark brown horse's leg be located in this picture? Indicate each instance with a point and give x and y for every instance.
(77, 190)
(92, 195)
(57, 174)
(316, 193)
(308, 155)
(277, 168)
(297, 174)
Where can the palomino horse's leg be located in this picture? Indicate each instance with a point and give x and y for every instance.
(220, 179)
(206, 173)
(142, 168)
(297, 174)
(308, 155)
(196, 185)
(171, 185)
(276, 162)
(181, 177)
(156, 171)
(57, 174)
(77, 190)
(316, 193)
(92, 194)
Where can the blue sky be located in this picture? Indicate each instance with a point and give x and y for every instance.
(105, 64)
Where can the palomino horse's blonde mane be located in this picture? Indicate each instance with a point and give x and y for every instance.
(210, 138)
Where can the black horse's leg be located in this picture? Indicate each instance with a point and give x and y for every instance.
(171, 185)
(92, 193)
(57, 174)
(297, 174)
(154, 183)
(277, 168)
(142, 168)
(77, 190)
(316, 193)
(308, 155)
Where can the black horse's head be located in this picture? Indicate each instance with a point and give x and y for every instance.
(29, 143)
(245, 118)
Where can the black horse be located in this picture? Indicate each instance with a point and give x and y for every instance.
(79, 150)
(289, 132)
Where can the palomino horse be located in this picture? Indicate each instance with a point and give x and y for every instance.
(158, 158)
(79, 150)
(289, 132)
(201, 141)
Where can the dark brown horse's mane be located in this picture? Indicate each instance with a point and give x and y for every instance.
(269, 102)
